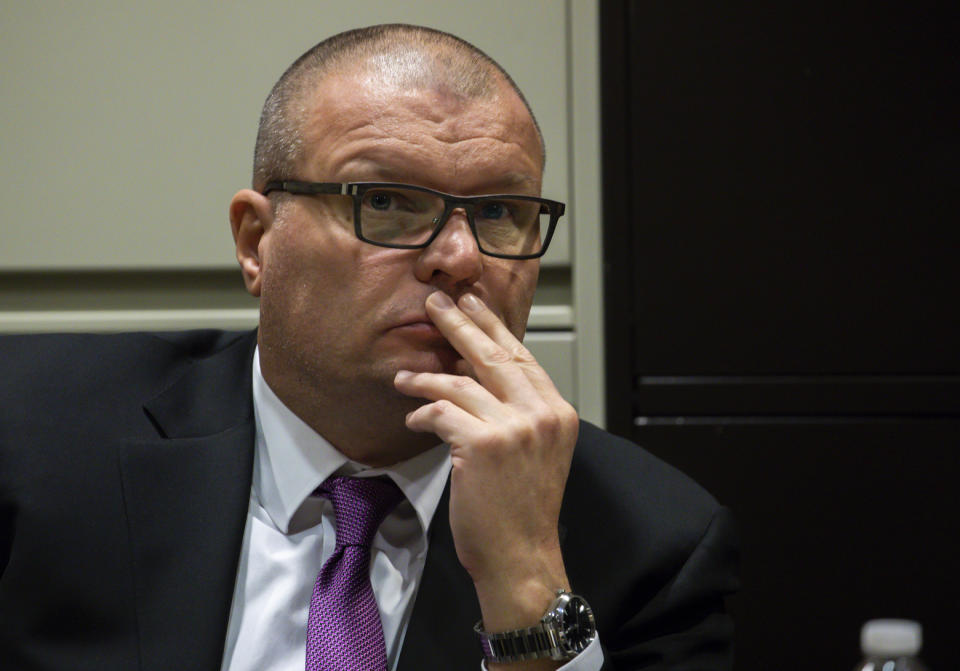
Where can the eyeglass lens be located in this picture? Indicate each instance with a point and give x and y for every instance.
(398, 216)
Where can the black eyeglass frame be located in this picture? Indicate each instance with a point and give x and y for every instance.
(356, 190)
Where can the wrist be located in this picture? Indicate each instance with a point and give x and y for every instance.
(514, 607)
(517, 597)
(566, 629)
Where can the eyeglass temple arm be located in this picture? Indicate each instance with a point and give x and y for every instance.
(308, 188)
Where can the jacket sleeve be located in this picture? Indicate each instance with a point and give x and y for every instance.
(686, 626)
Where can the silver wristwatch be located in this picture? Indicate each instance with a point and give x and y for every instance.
(564, 631)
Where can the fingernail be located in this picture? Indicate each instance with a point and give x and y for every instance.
(402, 375)
(441, 300)
(471, 303)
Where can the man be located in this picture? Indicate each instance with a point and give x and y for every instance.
(171, 501)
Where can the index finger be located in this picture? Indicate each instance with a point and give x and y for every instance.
(482, 339)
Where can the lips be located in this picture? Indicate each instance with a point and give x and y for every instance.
(418, 325)
(410, 318)
(420, 318)
(424, 327)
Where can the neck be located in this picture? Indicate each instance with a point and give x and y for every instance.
(375, 435)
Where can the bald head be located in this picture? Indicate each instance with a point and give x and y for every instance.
(394, 56)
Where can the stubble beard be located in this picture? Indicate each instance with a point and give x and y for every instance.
(361, 414)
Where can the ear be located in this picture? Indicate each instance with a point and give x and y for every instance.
(251, 216)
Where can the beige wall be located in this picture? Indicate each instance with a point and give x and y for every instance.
(128, 126)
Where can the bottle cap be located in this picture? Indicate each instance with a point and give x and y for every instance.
(891, 637)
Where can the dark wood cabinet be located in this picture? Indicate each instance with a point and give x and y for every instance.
(781, 288)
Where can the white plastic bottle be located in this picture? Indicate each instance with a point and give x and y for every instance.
(891, 645)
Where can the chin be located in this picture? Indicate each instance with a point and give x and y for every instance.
(433, 361)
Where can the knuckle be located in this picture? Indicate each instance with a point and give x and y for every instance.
(504, 436)
(568, 415)
(557, 421)
(547, 424)
(489, 442)
(521, 354)
(461, 383)
(522, 432)
(498, 355)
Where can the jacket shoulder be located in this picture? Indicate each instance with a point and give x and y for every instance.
(27, 360)
(629, 471)
(621, 496)
(654, 554)
(75, 375)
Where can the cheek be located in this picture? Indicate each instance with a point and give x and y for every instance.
(378, 279)
(337, 286)
(510, 288)
(303, 270)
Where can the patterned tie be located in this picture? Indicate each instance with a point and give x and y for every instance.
(344, 632)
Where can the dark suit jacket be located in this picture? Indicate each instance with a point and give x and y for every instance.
(125, 471)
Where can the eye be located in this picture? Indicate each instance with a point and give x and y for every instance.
(493, 210)
(380, 201)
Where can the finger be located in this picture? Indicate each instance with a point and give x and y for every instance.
(449, 422)
(465, 392)
(489, 323)
(492, 363)
(487, 320)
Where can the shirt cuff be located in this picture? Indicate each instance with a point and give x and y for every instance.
(591, 659)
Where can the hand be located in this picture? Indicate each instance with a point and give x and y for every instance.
(511, 438)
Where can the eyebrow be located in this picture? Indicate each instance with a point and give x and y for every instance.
(503, 183)
(515, 179)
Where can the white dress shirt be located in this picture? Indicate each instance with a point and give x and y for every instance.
(290, 534)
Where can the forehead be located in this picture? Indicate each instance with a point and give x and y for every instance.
(366, 125)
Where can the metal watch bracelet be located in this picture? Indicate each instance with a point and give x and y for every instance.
(565, 630)
(518, 645)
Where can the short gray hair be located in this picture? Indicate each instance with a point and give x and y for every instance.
(453, 64)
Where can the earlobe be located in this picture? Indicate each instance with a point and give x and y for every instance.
(250, 218)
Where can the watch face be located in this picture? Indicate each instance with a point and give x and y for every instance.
(577, 626)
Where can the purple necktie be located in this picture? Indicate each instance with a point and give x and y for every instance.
(344, 632)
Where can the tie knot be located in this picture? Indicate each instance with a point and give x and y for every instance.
(360, 505)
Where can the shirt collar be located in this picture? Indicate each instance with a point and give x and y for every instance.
(292, 460)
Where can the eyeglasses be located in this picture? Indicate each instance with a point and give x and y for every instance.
(403, 216)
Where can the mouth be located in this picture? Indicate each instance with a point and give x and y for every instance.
(421, 346)
(419, 327)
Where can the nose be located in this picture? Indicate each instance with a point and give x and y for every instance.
(453, 258)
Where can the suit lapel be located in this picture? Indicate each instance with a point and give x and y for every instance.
(440, 634)
(186, 496)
